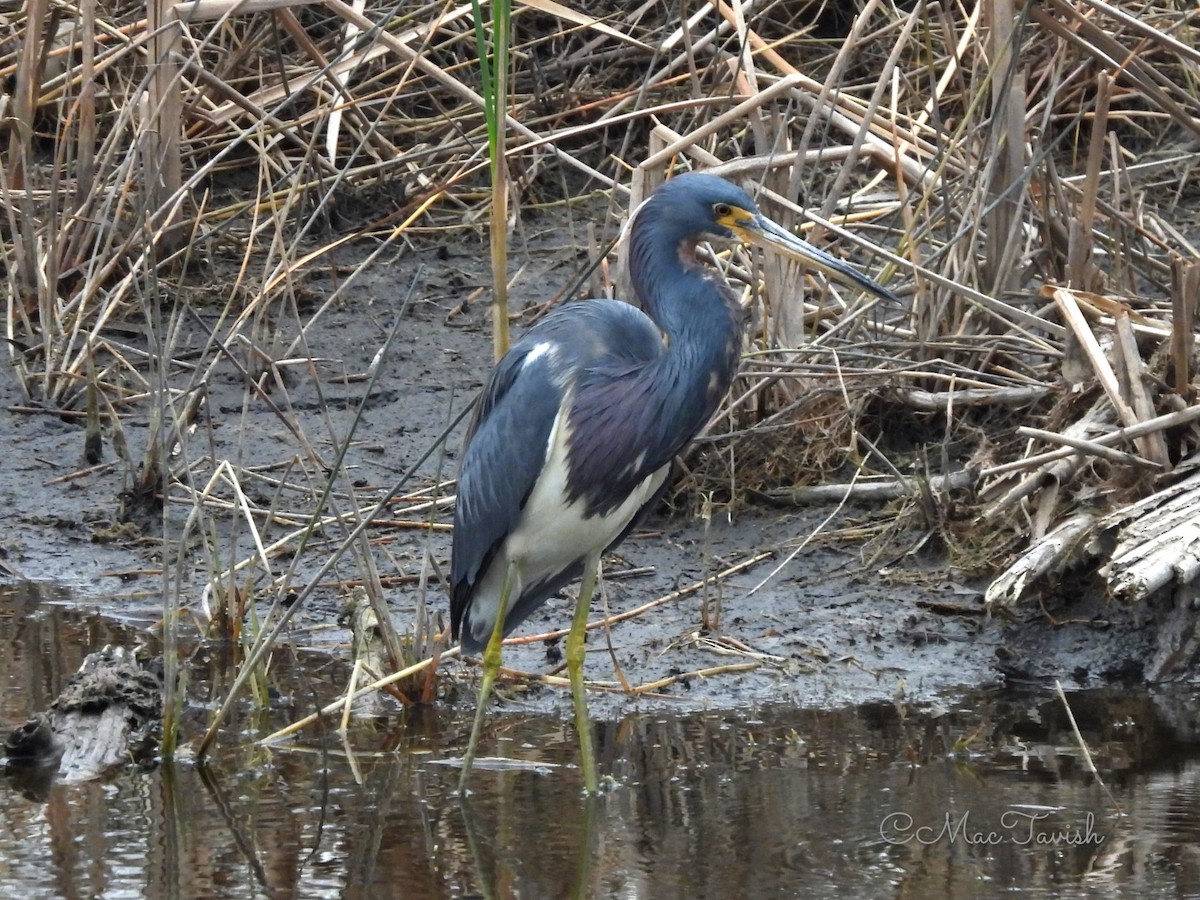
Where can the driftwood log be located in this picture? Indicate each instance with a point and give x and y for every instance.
(1146, 548)
(1158, 540)
(109, 715)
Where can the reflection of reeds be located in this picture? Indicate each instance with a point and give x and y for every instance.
(1029, 185)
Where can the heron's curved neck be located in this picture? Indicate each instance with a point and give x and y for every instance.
(698, 315)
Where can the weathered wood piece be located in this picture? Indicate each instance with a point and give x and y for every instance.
(1150, 545)
(108, 715)
(1158, 541)
(1057, 551)
(877, 490)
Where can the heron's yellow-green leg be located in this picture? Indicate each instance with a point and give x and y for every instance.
(576, 651)
(491, 665)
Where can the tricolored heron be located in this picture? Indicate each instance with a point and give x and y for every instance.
(577, 426)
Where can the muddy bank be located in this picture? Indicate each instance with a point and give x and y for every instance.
(830, 624)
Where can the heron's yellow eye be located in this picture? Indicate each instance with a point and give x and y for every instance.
(721, 210)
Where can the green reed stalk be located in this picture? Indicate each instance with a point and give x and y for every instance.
(493, 77)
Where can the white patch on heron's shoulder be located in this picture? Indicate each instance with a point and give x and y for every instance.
(552, 533)
(544, 348)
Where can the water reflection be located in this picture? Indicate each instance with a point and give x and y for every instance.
(990, 793)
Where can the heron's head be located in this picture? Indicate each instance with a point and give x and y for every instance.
(704, 207)
(699, 206)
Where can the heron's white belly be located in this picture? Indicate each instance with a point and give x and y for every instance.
(553, 534)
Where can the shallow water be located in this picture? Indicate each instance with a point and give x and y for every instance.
(981, 794)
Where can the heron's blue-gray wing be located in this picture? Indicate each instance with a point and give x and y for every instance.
(638, 418)
(505, 450)
(509, 439)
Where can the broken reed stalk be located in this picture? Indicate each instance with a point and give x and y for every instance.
(1081, 270)
(359, 693)
(1161, 423)
(1185, 292)
(345, 703)
(1083, 747)
(609, 621)
(1007, 38)
(162, 125)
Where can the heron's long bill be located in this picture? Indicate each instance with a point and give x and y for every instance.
(762, 232)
